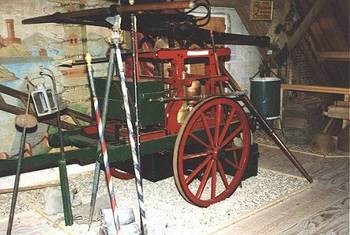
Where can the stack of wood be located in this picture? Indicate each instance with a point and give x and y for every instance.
(302, 118)
(341, 110)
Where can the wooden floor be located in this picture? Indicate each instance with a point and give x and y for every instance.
(321, 209)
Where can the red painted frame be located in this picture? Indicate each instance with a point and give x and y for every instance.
(178, 58)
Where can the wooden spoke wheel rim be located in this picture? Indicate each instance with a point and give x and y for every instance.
(211, 151)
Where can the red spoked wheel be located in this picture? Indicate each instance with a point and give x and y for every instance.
(211, 151)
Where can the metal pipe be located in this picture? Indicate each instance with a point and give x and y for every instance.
(196, 97)
(18, 173)
(132, 140)
(96, 179)
(103, 144)
(135, 77)
(113, 10)
(16, 185)
(62, 165)
(159, 6)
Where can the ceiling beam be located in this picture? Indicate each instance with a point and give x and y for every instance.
(334, 56)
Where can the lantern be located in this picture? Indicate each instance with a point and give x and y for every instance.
(44, 100)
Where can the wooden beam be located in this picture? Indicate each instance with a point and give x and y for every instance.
(29, 188)
(334, 56)
(2, 101)
(338, 112)
(342, 103)
(304, 26)
(317, 89)
(11, 108)
(223, 3)
(12, 92)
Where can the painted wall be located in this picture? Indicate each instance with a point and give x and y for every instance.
(245, 60)
(23, 48)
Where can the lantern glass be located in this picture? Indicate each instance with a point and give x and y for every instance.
(44, 100)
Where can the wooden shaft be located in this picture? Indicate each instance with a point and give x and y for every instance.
(268, 130)
(318, 89)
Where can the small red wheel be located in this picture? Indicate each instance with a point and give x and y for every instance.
(211, 151)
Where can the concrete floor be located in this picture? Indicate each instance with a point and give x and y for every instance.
(321, 209)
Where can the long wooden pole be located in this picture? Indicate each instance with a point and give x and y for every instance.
(317, 89)
(266, 127)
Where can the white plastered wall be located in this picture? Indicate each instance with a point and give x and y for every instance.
(245, 60)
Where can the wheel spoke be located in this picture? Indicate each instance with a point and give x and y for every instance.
(233, 148)
(199, 141)
(196, 155)
(221, 87)
(235, 158)
(222, 174)
(232, 164)
(231, 136)
(204, 180)
(213, 180)
(207, 130)
(195, 172)
(226, 126)
(217, 123)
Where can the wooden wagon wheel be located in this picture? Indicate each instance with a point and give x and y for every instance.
(213, 143)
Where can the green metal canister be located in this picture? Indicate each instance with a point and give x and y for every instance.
(265, 95)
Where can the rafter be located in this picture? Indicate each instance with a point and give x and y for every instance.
(334, 56)
(304, 26)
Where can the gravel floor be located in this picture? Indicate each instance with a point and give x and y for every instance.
(166, 211)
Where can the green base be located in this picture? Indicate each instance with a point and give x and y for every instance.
(84, 156)
(67, 205)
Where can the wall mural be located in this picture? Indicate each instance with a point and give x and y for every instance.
(24, 48)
